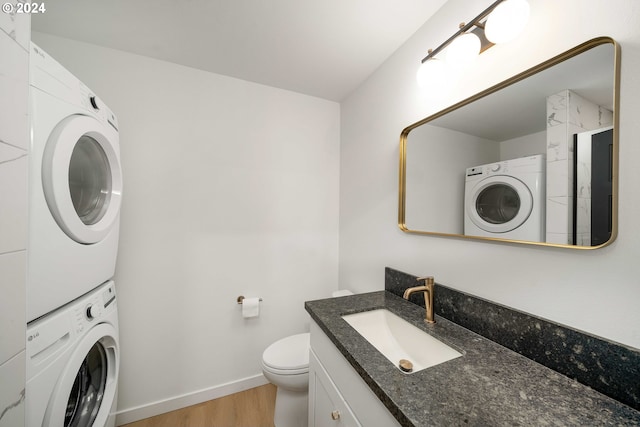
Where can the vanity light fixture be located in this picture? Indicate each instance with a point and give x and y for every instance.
(501, 22)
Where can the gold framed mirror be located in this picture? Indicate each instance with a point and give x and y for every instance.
(531, 160)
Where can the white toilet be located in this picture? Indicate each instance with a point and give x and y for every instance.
(285, 363)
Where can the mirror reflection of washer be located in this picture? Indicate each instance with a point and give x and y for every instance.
(506, 199)
(73, 361)
(75, 188)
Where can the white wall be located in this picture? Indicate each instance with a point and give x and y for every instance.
(524, 146)
(14, 149)
(596, 291)
(230, 188)
(429, 162)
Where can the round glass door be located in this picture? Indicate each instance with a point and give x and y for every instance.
(89, 180)
(82, 179)
(499, 204)
(85, 393)
(88, 389)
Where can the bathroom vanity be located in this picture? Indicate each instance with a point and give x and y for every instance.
(337, 394)
(353, 384)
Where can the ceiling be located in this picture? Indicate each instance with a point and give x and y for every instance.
(522, 106)
(321, 48)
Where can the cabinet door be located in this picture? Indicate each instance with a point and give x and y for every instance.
(327, 408)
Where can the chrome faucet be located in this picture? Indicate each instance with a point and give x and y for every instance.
(427, 288)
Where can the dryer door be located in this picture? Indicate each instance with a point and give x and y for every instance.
(86, 391)
(82, 178)
(499, 204)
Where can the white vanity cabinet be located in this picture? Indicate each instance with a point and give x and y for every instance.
(337, 394)
(327, 407)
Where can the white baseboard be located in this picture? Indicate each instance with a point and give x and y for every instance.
(130, 415)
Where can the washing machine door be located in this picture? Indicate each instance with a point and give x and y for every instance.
(82, 178)
(86, 391)
(499, 204)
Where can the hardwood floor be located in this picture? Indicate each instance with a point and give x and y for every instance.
(250, 408)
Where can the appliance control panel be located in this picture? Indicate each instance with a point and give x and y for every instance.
(530, 164)
(51, 334)
(93, 103)
(490, 169)
(94, 306)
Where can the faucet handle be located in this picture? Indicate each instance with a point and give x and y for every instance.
(428, 280)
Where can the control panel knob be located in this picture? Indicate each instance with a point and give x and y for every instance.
(94, 102)
(495, 168)
(92, 312)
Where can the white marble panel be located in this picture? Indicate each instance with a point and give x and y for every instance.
(557, 109)
(559, 238)
(557, 179)
(9, 153)
(583, 216)
(582, 112)
(557, 218)
(13, 209)
(12, 304)
(569, 217)
(606, 117)
(17, 26)
(14, 145)
(8, 20)
(557, 146)
(567, 114)
(573, 129)
(12, 379)
(583, 239)
(14, 87)
(14, 126)
(584, 171)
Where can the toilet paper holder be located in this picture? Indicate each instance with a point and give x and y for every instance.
(240, 299)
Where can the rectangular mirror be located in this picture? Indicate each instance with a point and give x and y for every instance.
(530, 160)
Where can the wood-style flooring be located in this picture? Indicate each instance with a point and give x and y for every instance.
(250, 408)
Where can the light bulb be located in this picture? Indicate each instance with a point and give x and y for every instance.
(431, 72)
(507, 21)
(463, 50)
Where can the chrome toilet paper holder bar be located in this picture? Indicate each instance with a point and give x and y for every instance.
(240, 299)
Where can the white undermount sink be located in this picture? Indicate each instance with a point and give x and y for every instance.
(398, 339)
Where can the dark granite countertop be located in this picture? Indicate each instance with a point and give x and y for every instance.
(489, 385)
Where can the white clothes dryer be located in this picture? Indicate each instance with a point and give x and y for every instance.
(75, 188)
(73, 361)
(506, 199)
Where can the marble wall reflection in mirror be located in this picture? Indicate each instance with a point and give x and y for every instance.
(530, 160)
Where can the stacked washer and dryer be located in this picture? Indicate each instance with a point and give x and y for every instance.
(75, 192)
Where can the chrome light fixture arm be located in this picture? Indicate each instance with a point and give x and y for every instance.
(475, 22)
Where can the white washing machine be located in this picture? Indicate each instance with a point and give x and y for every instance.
(73, 361)
(75, 188)
(506, 199)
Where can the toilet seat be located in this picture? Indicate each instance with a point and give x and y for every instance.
(288, 356)
(285, 372)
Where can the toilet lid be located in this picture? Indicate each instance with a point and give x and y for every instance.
(288, 353)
